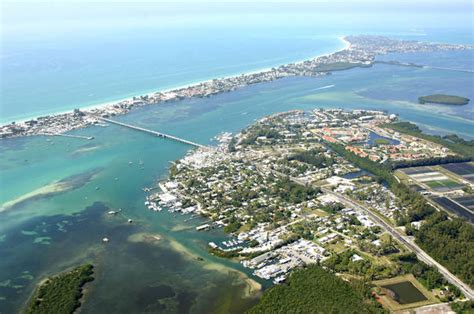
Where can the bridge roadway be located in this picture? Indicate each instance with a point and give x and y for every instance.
(156, 133)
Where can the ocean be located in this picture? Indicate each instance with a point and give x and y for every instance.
(56, 192)
(50, 64)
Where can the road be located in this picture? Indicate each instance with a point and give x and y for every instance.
(412, 246)
(156, 133)
(409, 244)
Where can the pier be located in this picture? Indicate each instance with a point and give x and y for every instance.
(156, 133)
(69, 135)
(448, 69)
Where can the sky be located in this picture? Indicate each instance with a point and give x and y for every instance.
(40, 14)
(16, 10)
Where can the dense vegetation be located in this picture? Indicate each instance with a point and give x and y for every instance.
(292, 192)
(233, 225)
(315, 290)
(451, 242)
(453, 142)
(256, 132)
(428, 162)
(312, 157)
(61, 293)
(463, 307)
(343, 262)
(340, 66)
(429, 276)
(443, 99)
(283, 188)
(381, 172)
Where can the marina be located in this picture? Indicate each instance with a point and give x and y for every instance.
(81, 211)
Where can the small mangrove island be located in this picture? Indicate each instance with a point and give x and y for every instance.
(61, 293)
(443, 100)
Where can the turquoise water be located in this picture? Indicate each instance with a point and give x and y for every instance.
(43, 233)
(90, 69)
(55, 192)
(62, 59)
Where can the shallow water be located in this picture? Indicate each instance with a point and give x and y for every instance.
(49, 231)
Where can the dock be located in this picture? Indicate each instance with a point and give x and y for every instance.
(156, 133)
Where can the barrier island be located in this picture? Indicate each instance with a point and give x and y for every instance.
(360, 52)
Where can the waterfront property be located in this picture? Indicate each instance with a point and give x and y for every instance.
(113, 168)
(361, 52)
(278, 188)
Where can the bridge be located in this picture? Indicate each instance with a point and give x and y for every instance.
(415, 65)
(159, 134)
(448, 69)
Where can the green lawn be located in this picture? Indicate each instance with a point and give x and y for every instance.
(382, 141)
(442, 184)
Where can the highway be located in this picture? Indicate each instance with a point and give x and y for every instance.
(412, 246)
(405, 240)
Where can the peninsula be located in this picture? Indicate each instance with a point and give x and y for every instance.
(303, 188)
(443, 100)
(360, 52)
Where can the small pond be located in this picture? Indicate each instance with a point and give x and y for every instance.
(405, 292)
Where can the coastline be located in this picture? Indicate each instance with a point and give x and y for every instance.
(102, 105)
(358, 51)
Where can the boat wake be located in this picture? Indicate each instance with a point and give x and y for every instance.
(325, 87)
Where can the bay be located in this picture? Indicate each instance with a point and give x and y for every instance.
(46, 229)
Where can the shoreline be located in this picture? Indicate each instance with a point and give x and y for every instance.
(101, 105)
(358, 51)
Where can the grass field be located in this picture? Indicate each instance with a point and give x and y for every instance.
(442, 184)
(337, 247)
(394, 305)
(382, 141)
